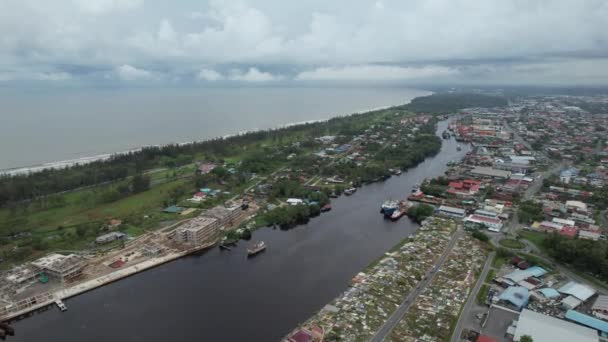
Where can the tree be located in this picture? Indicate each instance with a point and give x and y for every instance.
(140, 183)
(421, 212)
(480, 236)
(526, 338)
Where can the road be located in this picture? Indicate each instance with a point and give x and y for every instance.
(392, 321)
(472, 298)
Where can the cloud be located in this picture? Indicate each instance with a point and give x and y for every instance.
(105, 6)
(129, 73)
(209, 75)
(252, 75)
(24, 75)
(374, 73)
(315, 39)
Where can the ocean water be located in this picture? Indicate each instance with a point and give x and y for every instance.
(38, 127)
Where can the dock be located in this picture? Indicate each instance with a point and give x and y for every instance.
(40, 301)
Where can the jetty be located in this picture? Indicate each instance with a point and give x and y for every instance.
(25, 306)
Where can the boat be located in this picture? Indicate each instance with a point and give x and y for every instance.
(445, 135)
(458, 148)
(389, 207)
(401, 210)
(397, 172)
(326, 207)
(256, 248)
(350, 191)
(333, 195)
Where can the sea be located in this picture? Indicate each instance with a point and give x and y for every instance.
(41, 128)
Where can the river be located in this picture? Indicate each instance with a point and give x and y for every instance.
(224, 296)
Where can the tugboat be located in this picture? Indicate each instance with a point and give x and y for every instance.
(350, 191)
(401, 210)
(256, 248)
(389, 207)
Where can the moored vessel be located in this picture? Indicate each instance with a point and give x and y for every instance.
(256, 248)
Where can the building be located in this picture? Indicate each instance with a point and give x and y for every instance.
(198, 230)
(600, 307)
(225, 215)
(517, 296)
(589, 235)
(451, 211)
(577, 206)
(493, 224)
(543, 328)
(588, 321)
(205, 168)
(109, 237)
(63, 267)
(520, 276)
(294, 201)
(490, 172)
(577, 294)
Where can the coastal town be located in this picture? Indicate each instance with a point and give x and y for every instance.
(511, 242)
(531, 197)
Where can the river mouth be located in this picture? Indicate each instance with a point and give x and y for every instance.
(222, 295)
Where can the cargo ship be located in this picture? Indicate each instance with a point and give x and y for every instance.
(389, 207)
(256, 248)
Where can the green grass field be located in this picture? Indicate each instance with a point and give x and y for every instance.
(512, 243)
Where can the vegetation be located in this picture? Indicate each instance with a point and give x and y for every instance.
(600, 198)
(584, 255)
(449, 103)
(483, 294)
(529, 212)
(526, 338)
(420, 212)
(481, 236)
(512, 243)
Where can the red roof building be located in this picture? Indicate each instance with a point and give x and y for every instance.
(484, 338)
(568, 231)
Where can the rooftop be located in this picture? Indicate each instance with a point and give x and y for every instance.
(543, 328)
(580, 291)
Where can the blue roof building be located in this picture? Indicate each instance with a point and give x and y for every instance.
(587, 320)
(516, 295)
(549, 292)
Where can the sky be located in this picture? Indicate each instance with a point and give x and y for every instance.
(190, 42)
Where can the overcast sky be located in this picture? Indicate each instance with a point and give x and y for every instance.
(163, 42)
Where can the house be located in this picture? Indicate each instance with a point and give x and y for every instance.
(466, 187)
(568, 231)
(109, 237)
(451, 211)
(294, 201)
(577, 206)
(589, 235)
(205, 168)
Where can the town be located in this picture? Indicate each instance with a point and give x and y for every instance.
(511, 242)
(530, 199)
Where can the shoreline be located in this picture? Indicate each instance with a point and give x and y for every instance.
(80, 288)
(21, 170)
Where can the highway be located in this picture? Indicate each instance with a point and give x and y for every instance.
(394, 319)
(471, 300)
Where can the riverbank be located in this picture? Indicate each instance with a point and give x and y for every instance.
(210, 285)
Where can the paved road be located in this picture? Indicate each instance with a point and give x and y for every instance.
(472, 298)
(392, 321)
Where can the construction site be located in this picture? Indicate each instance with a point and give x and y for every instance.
(54, 277)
